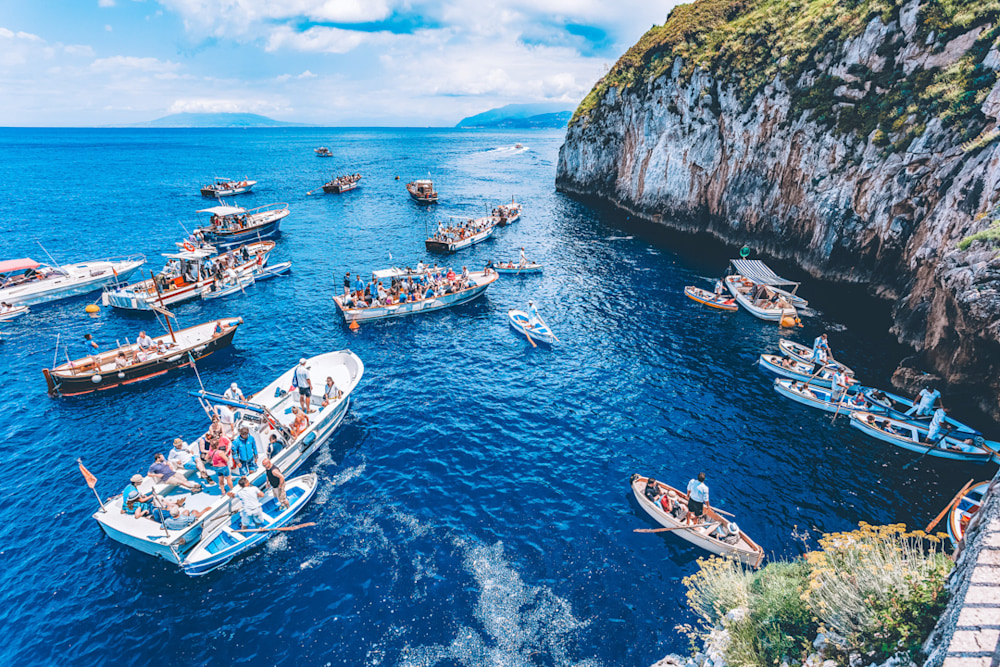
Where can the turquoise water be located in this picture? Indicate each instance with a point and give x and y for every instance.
(474, 507)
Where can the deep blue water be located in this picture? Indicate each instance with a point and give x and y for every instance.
(474, 506)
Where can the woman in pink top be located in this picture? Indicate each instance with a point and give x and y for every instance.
(220, 460)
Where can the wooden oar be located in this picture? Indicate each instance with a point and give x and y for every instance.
(547, 327)
(840, 404)
(269, 530)
(529, 339)
(926, 451)
(716, 509)
(948, 508)
(664, 530)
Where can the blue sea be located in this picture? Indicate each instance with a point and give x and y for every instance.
(474, 506)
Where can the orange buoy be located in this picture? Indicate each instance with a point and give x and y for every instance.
(788, 321)
(354, 326)
(92, 308)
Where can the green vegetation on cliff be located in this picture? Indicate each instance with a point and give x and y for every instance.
(747, 43)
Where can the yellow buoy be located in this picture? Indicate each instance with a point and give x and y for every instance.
(354, 326)
(787, 321)
(93, 308)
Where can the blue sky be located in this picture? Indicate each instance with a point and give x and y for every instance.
(326, 62)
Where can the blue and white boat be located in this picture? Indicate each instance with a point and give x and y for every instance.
(795, 370)
(230, 540)
(914, 438)
(231, 226)
(964, 510)
(516, 269)
(265, 413)
(26, 282)
(272, 271)
(804, 353)
(238, 285)
(532, 327)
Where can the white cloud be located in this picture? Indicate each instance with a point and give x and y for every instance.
(216, 105)
(120, 64)
(108, 28)
(307, 75)
(105, 3)
(317, 39)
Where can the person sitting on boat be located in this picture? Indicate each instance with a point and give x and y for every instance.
(134, 501)
(697, 492)
(935, 432)
(330, 392)
(652, 490)
(251, 516)
(144, 342)
(727, 532)
(121, 361)
(162, 471)
(180, 519)
(218, 331)
(300, 421)
(188, 457)
(787, 363)
(274, 445)
(924, 405)
(245, 451)
(857, 402)
(234, 393)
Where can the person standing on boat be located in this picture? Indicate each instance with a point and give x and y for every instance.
(924, 405)
(839, 386)
(697, 492)
(304, 383)
(276, 481)
(935, 432)
(234, 393)
(532, 311)
(245, 451)
(524, 260)
(347, 283)
(251, 516)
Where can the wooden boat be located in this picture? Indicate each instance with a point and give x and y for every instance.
(516, 269)
(914, 438)
(795, 370)
(227, 187)
(25, 282)
(803, 353)
(701, 535)
(761, 301)
(422, 192)
(963, 511)
(231, 226)
(267, 412)
(229, 540)
(100, 372)
(710, 299)
(12, 312)
(239, 285)
(532, 327)
(272, 270)
(479, 282)
(323, 151)
(506, 214)
(184, 277)
(342, 184)
(448, 242)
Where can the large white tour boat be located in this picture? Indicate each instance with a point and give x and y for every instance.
(26, 282)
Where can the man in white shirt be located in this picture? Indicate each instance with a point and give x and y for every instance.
(251, 515)
(227, 420)
(304, 383)
(934, 431)
(144, 342)
(841, 383)
(234, 393)
(188, 457)
(697, 492)
(524, 261)
(924, 404)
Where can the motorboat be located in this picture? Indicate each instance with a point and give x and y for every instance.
(422, 192)
(231, 226)
(227, 187)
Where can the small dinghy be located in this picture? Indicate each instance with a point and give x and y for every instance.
(229, 540)
(516, 269)
(10, 312)
(963, 511)
(272, 271)
(711, 299)
(532, 327)
(227, 289)
(914, 438)
(804, 353)
(708, 534)
(796, 370)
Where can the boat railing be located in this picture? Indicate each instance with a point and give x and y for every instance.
(267, 208)
(135, 257)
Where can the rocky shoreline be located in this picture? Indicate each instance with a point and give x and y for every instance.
(688, 150)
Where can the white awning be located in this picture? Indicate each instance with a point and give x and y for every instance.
(759, 272)
(223, 210)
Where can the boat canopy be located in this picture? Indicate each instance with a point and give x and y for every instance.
(423, 183)
(197, 253)
(18, 265)
(759, 272)
(393, 273)
(223, 210)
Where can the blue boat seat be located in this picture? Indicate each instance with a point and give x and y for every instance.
(223, 541)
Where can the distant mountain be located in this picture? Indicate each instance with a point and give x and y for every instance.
(215, 120)
(553, 115)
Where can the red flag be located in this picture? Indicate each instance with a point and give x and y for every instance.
(89, 476)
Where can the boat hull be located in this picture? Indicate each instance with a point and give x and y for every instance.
(453, 246)
(710, 299)
(60, 384)
(767, 364)
(909, 443)
(208, 192)
(962, 513)
(273, 271)
(340, 189)
(224, 240)
(531, 268)
(65, 287)
(766, 314)
(519, 321)
(414, 307)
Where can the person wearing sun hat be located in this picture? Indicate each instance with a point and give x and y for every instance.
(133, 500)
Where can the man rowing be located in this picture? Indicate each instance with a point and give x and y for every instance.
(924, 405)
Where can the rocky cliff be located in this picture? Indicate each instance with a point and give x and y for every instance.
(858, 139)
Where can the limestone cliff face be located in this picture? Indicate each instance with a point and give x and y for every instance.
(776, 169)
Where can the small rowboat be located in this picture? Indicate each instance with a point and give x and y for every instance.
(272, 270)
(803, 353)
(323, 151)
(517, 269)
(226, 290)
(914, 438)
(795, 370)
(532, 327)
(702, 535)
(15, 311)
(961, 514)
(229, 540)
(711, 299)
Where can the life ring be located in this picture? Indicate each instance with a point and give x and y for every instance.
(189, 247)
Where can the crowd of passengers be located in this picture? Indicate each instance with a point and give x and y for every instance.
(457, 232)
(424, 283)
